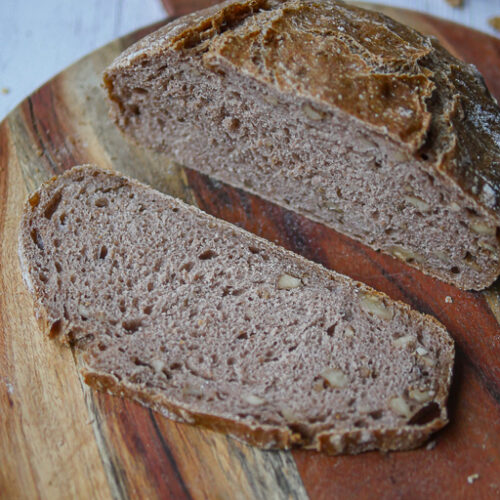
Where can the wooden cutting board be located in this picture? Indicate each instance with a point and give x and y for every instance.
(60, 439)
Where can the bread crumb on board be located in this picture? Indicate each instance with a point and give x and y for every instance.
(494, 22)
(472, 478)
(448, 300)
(4, 90)
(431, 445)
(455, 3)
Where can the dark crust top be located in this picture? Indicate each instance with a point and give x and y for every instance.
(396, 81)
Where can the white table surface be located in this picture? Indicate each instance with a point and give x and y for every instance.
(40, 38)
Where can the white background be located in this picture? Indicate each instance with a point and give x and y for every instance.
(39, 38)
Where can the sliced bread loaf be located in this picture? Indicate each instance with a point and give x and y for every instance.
(211, 325)
(336, 112)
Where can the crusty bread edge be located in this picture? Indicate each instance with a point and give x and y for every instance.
(334, 442)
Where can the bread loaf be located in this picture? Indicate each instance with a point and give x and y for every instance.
(338, 113)
(211, 325)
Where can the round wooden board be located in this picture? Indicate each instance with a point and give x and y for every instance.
(59, 439)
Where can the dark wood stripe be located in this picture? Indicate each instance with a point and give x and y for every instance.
(170, 458)
(38, 135)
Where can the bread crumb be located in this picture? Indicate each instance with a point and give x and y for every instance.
(448, 300)
(472, 478)
(494, 22)
(5, 90)
(431, 445)
(455, 3)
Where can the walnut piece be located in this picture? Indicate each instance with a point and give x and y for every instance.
(399, 406)
(287, 282)
(374, 305)
(494, 22)
(336, 378)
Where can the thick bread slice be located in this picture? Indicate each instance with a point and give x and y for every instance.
(212, 325)
(336, 112)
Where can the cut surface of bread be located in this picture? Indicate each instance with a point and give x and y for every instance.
(338, 113)
(211, 325)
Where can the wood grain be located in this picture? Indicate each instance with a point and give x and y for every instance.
(60, 439)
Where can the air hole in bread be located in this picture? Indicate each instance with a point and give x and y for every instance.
(58, 266)
(101, 202)
(139, 362)
(331, 330)
(147, 310)
(43, 277)
(207, 254)
(360, 424)
(428, 413)
(376, 415)
(37, 239)
(455, 270)
(132, 325)
(102, 346)
(55, 328)
(103, 252)
(52, 205)
(187, 266)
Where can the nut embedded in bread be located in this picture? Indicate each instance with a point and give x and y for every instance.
(211, 325)
(338, 113)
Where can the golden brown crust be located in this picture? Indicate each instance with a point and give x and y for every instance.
(395, 81)
(317, 51)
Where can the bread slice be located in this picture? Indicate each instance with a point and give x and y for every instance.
(338, 113)
(211, 325)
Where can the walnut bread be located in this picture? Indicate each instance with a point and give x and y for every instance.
(336, 112)
(211, 325)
